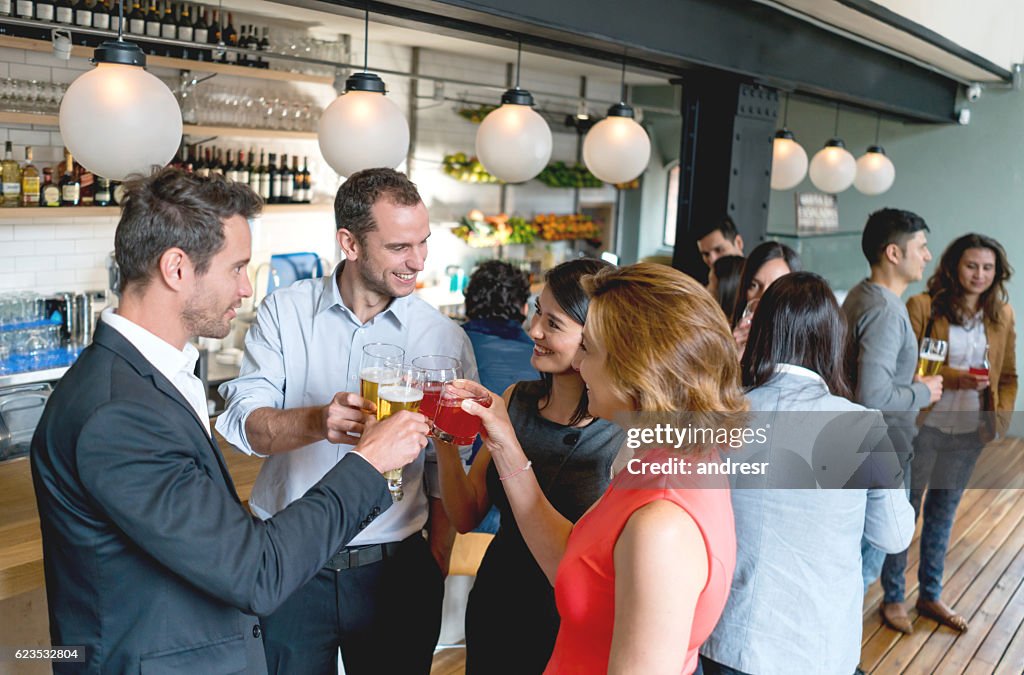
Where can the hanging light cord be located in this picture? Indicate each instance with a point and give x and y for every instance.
(519, 59)
(878, 126)
(366, 38)
(785, 112)
(622, 86)
(836, 134)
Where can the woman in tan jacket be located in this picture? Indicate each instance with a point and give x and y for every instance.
(965, 305)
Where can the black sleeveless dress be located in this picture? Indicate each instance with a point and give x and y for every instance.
(511, 620)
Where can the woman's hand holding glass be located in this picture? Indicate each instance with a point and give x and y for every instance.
(498, 433)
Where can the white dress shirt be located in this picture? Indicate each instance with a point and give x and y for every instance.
(177, 365)
(304, 347)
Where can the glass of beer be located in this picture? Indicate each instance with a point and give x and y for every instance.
(379, 365)
(439, 370)
(452, 424)
(405, 392)
(932, 356)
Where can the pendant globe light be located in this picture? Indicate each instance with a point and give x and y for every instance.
(833, 168)
(119, 95)
(875, 171)
(617, 149)
(362, 129)
(789, 159)
(514, 142)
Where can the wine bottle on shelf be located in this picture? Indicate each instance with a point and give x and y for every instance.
(65, 12)
(49, 193)
(45, 10)
(202, 168)
(214, 34)
(114, 7)
(307, 180)
(254, 172)
(86, 186)
(275, 179)
(201, 33)
(218, 164)
(153, 20)
(287, 182)
(11, 178)
(101, 16)
(169, 31)
(137, 20)
(186, 32)
(230, 36)
(263, 45)
(188, 162)
(30, 185)
(230, 171)
(264, 178)
(83, 13)
(297, 189)
(242, 169)
(70, 188)
(25, 9)
(243, 43)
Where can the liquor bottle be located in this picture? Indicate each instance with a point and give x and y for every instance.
(11, 178)
(65, 12)
(264, 178)
(254, 172)
(29, 181)
(153, 20)
(201, 33)
(218, 165)
(50, 192)
(214, 34)
(101, 16)
(83, 13)
(230, 172)
(243, 40)
(274, 177)
(103, 192)
(230, 36)
(169, 30)
(86, 185)
(190, 160)
(264, 46)
(45, 10)
(307, 181)
(70, 188)
(186, 31)
(242, 169)
(25, 9)
(137, 20)
(298, 190)
(287, 182)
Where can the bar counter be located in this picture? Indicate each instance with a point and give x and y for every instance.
(21, 546)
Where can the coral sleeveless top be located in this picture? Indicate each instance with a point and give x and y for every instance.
(585, 584)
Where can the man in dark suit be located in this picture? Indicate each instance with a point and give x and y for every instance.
(152, 563)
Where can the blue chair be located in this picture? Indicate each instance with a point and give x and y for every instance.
(287, 268)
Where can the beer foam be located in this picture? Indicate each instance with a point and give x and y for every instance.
(379, 374)
(399, 393)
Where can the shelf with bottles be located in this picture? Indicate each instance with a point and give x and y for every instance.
(249, 50)
(33, 213)
(187, 129)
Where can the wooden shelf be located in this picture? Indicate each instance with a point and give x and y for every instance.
(244, 132)
(188, 129)
(66, 213)
(29, 44)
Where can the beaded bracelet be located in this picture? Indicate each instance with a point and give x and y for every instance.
(517, 471)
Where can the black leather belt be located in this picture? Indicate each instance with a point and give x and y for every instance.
(357, 556)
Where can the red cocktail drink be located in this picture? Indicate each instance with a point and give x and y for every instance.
(454, 425)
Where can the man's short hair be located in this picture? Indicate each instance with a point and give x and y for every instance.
(174, 209)
(726, 226)
(889, 226)
(497, 291)
(355, 199)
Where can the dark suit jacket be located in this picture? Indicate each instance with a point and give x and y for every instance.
(152, 563)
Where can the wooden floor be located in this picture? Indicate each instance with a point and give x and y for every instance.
(984, 581)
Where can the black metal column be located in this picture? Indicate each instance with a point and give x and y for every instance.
(724, 161)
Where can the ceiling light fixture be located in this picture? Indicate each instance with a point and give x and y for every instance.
(789, 159)
(833, 168)
(617, 149)
(875, 171)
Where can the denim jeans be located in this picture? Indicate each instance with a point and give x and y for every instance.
(942, 465)
(872, 559)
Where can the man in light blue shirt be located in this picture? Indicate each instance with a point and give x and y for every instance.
(294, 402)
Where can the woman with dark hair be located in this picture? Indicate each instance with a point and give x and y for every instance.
(769, 261)
(965, 305)
(724, 281)
(511, 619)
(796, 596)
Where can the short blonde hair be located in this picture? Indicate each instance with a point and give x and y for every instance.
(668, 344)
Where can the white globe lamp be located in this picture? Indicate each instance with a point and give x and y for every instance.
(617, 149)
(514, 142)
(363, 129)
(789, 161)
(117, 119)
(833, 168)
(875, 172)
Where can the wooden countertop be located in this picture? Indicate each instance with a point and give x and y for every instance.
(21, 547)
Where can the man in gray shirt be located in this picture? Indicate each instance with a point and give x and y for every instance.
(884, 348)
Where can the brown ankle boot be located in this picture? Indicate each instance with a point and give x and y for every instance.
(894, 614)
